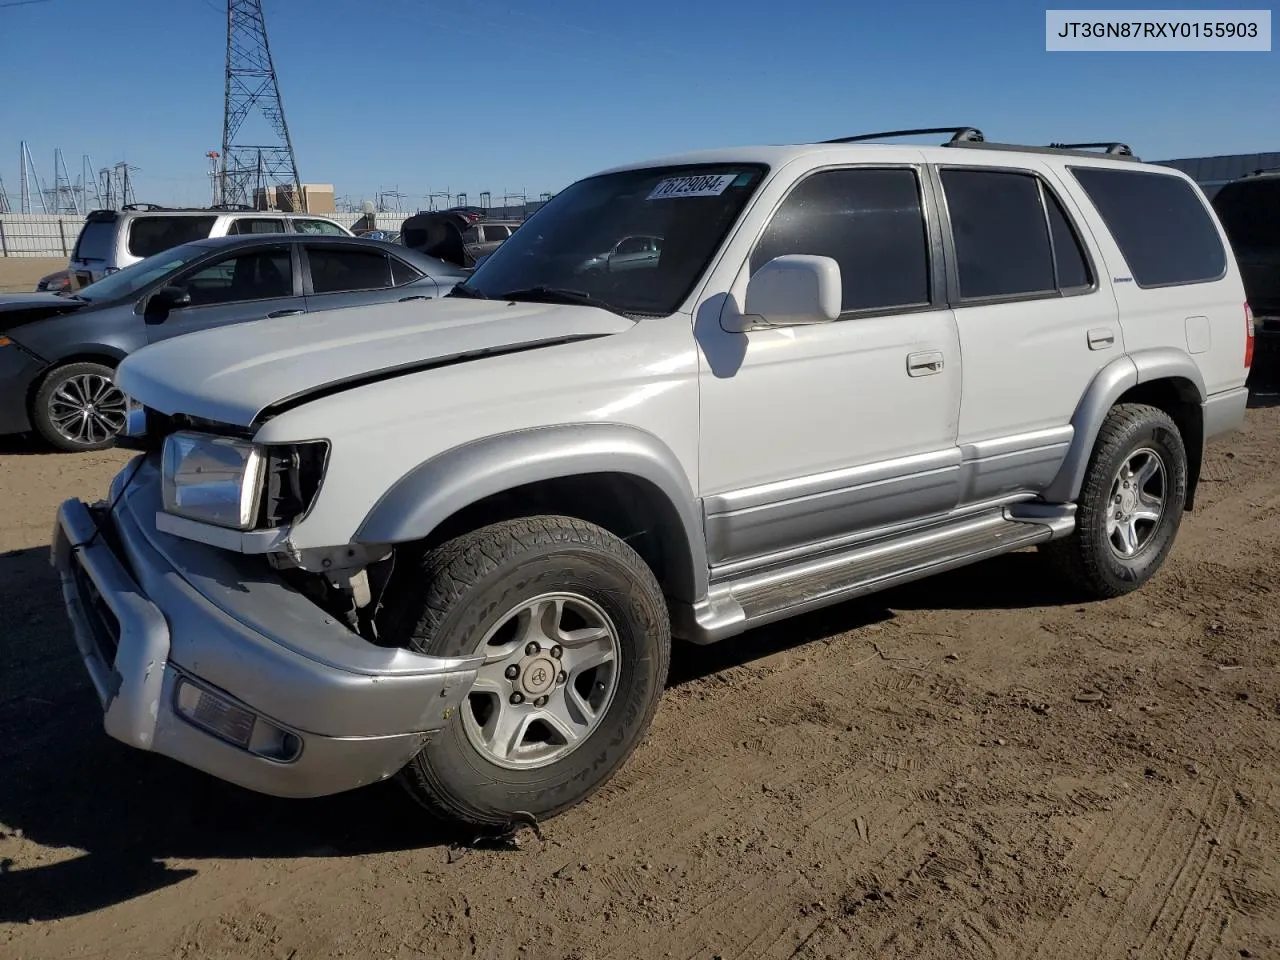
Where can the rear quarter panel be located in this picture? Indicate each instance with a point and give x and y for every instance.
(1205, 320)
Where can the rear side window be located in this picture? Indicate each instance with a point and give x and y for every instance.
(1012, 236)
(402, 273)
(871, 222)
(96, 241)
(493, 232)
(335, 270)
(250, 225)
(151, 235)
(1160, 224)
(1001, 238)
(323, 227)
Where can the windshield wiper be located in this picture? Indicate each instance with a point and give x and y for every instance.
(460, 291)
(545, 294)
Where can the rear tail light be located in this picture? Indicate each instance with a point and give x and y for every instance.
(1248, 337)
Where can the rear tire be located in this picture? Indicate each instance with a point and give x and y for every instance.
(543, 728)
(1130, 504)
(78, 408)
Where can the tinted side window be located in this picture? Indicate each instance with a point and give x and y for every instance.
(494, 232)
(334, 270)
(1160, 224)
(471, 234)
(322, 227)
(871, 222)
(1068, 252)
(1001, 238)
(402, 273)
(260, 275)
(151, 235)
(248, 225)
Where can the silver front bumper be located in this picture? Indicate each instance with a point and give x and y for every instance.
(150, 611)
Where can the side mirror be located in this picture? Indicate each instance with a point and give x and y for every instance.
(790, 291)
(160, 303)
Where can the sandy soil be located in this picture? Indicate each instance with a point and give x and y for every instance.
(975, 766)
(20, 274)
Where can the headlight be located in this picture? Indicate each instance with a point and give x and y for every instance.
(212, 479)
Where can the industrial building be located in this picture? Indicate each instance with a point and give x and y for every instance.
(1212, 173)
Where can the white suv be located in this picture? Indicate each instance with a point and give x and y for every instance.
(111, 240)
(453, 540)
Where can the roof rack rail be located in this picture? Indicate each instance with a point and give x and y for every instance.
(1117, 149)
(232, 206)
(144, 206)
(958, 135)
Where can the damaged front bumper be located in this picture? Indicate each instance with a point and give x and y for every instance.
(212, 659)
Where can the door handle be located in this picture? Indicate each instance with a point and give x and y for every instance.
(416, 296)
(284, 313)
(924, 364)
(1101, 337)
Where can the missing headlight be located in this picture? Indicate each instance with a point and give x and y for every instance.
(293, 474)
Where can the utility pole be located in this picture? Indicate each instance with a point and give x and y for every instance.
(254, 158)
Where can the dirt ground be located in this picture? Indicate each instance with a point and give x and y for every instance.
(975, 766)
(20, 274)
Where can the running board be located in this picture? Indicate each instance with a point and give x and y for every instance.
(756, 599)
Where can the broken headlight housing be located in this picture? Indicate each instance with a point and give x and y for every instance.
(233, 482)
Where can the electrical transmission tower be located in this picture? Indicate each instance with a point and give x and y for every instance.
(260, 155)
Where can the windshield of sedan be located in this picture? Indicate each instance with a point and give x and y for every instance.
(131, 279)
(633, 242)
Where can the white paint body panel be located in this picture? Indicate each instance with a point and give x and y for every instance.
(736, 410)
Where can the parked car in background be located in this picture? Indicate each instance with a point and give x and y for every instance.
(629, 253)
(1249, 209)
(58, 353)
(111, 240)
(485, 236)
(454, 545)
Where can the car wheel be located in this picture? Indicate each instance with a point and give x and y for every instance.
(78, 407)
(1130, 505)
(575, 634)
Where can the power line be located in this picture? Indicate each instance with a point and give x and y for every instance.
(21, 3)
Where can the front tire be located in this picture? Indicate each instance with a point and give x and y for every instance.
(577, 639)
(79, 408)
(1130, 505)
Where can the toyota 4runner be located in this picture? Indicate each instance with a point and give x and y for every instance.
(452, 541)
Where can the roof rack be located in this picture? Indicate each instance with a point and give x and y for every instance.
(1262, 171)
(958, 134)
(1116, 149)
(144, 206)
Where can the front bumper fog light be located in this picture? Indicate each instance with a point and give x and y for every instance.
(228, 721)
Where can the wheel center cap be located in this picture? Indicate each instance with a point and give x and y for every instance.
(538, 676)
(1128, 500)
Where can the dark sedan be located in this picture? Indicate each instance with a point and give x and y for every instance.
(58, 352)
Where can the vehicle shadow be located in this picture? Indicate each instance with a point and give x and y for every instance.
(112, 815)
(114, 818)
(22, 445)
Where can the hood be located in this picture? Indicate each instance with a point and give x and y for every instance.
(19, 308)
(232, 374)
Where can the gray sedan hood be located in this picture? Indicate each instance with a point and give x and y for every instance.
(232, 374)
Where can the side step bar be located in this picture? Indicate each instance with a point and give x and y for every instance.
(756, 599)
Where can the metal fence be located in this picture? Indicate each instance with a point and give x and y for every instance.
(38, 234)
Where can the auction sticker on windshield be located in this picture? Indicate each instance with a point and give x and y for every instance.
(705, 185)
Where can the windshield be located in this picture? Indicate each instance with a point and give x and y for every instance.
(1250, 213)
(131, 279)
(634, 242)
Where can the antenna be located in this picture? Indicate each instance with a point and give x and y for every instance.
(251, 83)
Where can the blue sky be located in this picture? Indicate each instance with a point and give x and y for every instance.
(527, 95)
